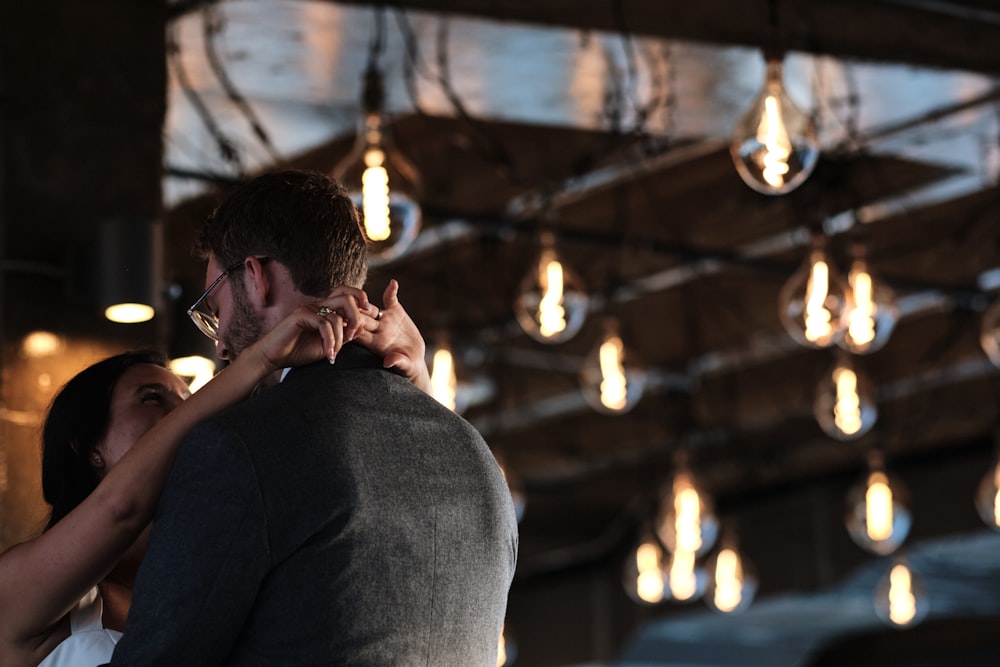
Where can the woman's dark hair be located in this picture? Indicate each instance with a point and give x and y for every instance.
(76, 422)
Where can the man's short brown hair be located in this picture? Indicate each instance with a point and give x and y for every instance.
(305, 220)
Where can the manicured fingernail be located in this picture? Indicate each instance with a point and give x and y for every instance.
(332, 358)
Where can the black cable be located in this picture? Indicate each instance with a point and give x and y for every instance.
(643, 111)
(227, 148)
(411, 63)
(376, 46)
(486, 142)
(489, 143)
(212, 24)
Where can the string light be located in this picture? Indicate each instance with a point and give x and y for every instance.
(989, 335)
(811, 302)
(988, 493)
(878, 516)
(733, 583)
(686, 580)
(444, 382)
(506, 647)
(870, 311)
(774, 145)
(900, 600)
(551, 305)
(516, 488)
(643, 576)
(845, 404)
(685, 520)
(610, 377)
(383, 183)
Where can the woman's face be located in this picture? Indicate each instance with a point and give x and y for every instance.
(143, 395)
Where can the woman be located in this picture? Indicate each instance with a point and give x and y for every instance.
(64, 595)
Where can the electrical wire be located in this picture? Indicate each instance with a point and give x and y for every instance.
(487, 143)
(212, 26)
(227, 148)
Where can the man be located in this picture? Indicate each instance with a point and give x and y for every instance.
(342, 516)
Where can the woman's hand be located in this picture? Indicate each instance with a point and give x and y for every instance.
(316, 330)
(395, 338)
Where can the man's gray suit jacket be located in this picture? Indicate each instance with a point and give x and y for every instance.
(343, 517)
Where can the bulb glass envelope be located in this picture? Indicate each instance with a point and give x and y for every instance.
(878, 515)
(775, 145)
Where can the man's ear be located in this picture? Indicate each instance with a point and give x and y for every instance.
(256, 281)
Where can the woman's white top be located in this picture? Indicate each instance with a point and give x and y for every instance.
(89, 642)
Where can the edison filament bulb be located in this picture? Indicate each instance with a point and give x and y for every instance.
(775, 145)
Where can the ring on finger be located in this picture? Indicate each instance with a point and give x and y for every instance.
(323, 311)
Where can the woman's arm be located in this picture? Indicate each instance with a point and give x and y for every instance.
(43, 578)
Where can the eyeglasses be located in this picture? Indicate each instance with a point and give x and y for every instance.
(207, 321)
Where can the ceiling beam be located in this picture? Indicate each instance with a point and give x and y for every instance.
(948, 35)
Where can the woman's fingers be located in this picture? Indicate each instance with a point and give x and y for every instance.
(360, 298)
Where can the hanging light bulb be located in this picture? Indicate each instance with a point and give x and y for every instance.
(988, 494)
(514, 485)
(383, 183)
(506, 647)
(686, 579)
(552, 304)
(870, 311)
(845, 401)
(611, 379)
(989, 336)
(643, 574)
(878, 515)
(988, 497)
(732, 581)
(775, 145)
(444, 381)
(900, 600)
(811, 302)
(685, 520)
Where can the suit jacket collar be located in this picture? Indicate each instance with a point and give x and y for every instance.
(351, 356)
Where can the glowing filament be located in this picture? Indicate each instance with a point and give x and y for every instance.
(649, 582)
(902, 602)
(861, 320)
(687, 507)
(728, 581)
(817, 317)
(613, 386)
(683, 581)
(878, 507)
(375, 195)
(443, 381)
(774, 136)
(847, 409)
(551, 314)
(502, 648)
(996, 496)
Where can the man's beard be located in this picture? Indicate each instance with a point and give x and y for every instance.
(245, 327)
